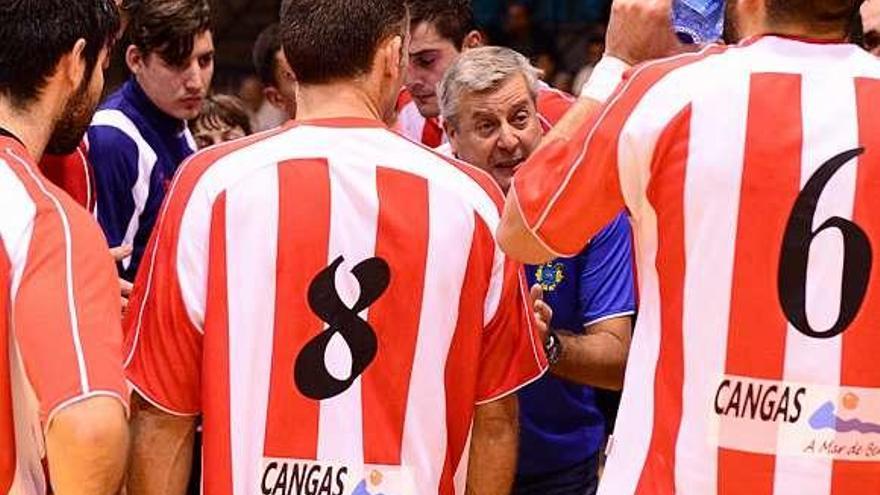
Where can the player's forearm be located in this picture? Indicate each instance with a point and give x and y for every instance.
(162, 451)
(87, 447)
(597, 358)
(494, 444)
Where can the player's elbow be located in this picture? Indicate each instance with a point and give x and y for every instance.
(94, 430)
(518, 241)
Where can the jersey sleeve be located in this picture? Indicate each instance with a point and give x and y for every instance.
(67, 310)
(114, 159)
(165, 323)
(511, 353)
(606, 279)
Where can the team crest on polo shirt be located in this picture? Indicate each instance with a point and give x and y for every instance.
(550, 275)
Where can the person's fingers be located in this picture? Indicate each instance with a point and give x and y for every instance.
(119, 253)
(125, 287)
(536, 293)
(544, 311)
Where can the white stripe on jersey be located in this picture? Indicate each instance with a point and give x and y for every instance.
(251, 333)
(354, 224)
(15, 230)
(718, 130)
(425, 431)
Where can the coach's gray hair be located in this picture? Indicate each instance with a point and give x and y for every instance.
(482, 70)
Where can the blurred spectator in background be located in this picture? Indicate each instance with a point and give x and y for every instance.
(279, 81)
(223, 118)
(521, 34)
(139, 137)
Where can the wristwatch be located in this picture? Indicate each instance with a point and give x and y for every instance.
(553, 348)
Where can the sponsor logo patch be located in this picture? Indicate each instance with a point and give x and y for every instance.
(305, 477)
(774, 417)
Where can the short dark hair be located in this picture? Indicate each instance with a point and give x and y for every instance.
(822, 13)
(218, 109)
(329, 40)
(266, 47)
(453, 19)
(168, 27)
(36, 34)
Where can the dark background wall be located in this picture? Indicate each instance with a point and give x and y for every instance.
(238, 22)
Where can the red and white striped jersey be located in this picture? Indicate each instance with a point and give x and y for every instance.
(752, 175)
(331, 298)
(60, 333)
(552, 105)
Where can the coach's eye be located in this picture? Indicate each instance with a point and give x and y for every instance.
(521, 119)
(485, 128)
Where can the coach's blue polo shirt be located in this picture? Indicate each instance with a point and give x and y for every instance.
(560, 422)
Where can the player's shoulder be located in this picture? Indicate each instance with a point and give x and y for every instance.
(27, 191)
(194, 170)
(646, 76)
(553, 104)
(441, 168)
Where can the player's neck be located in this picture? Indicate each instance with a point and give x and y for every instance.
(793, 30)
(335, 100)
(31, 125)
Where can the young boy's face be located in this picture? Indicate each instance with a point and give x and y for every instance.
(206, 134)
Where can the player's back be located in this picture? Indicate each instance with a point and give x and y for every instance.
(752, 176)
(358, 308)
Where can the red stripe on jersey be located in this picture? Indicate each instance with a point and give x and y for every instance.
(586, 166)
(303, 237)
(7, 421)
(464, 352)
(666, 194)
(403, 207)
(217, 437)
(861, 340)
(770, 186)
